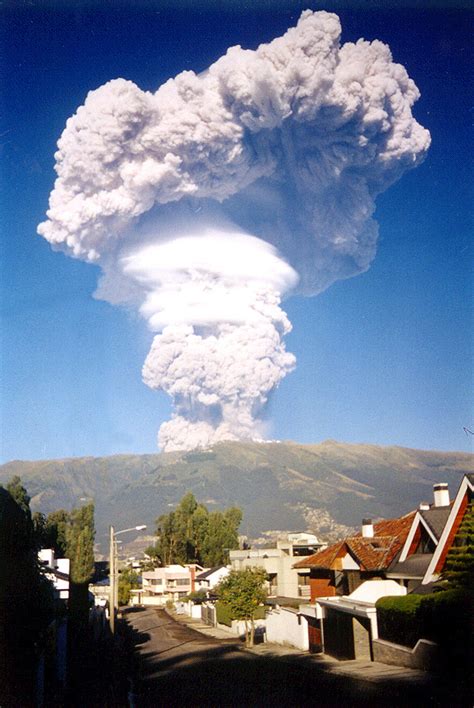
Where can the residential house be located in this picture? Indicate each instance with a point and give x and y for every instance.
(209, 578)
(283, 579)
(429, 522)
(171, 582)
(342, 567)
(460, 506)
(345, 626)
(56, 570)
(391, 557)
(432, 534)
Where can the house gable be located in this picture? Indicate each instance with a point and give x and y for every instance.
(453, 523)
(420, 538)
(349, 563)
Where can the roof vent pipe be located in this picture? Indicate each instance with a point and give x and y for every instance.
(424, 506)
(441, 494)
(367, 528)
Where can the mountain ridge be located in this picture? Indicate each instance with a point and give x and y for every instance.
(325, 487)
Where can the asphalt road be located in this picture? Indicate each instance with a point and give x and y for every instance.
(176, 666)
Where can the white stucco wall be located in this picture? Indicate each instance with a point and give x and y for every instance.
(212, 580)
(151, 601)
(285, 627)
(373, 590)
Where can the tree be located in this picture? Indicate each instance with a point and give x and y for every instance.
(80, 544)
(221, 536)
(191, 534)
(19, 494)
(153, 560)
(128, 580)
(26, 598)
(243, 591)
(57, 524)
(458, 570)
(80, 550)
(39, 529)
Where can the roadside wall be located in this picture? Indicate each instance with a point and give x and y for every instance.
(288, 627)
(151, 601)
(238, 627)
(423, 656)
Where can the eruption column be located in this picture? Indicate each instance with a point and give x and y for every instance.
(215, 298)
(291, 143)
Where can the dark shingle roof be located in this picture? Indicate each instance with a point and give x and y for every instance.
(414, 566)
(206, 573)
(436, 518)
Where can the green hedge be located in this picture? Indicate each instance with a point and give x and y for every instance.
(397, 619)
(442, 617)
(223, 613)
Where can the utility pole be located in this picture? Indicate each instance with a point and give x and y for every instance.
(112, 580)
(113, 574)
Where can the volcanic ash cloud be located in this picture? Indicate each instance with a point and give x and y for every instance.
(208, 201)
(215, 299)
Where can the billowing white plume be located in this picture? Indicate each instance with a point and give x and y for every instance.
(194, 200)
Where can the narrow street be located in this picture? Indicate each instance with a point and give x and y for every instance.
(176, 665)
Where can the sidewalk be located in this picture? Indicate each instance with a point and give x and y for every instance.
(372, 672)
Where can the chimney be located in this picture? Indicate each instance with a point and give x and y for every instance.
(367, 528)
(424, 506)
(441, 494)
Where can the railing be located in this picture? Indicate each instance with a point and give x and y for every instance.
(304, 591)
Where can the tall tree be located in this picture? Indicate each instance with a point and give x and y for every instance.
(26, 598)
(221, 536)
(193, 534)
(80, 551)
(19, 494)
(57, 524)
(459, 566)
(80, 544)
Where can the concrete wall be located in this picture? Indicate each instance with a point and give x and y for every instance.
(361, 632)
(195, 610)
(423, 656)
(238, 627)
(288, 628)
(151, 601)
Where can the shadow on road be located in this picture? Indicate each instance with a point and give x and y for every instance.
(199, 671)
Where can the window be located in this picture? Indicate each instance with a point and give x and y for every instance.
(157, 581)
(182, 581)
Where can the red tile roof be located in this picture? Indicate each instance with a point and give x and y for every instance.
(371, 553)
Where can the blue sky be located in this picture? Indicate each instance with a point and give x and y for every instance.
(384, 358)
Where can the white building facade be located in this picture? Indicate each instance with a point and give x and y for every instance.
(284, 580)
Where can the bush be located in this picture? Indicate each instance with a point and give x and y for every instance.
(197, 596)
(442, 617)
(224, 615)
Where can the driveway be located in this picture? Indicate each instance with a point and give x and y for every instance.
(178, 666)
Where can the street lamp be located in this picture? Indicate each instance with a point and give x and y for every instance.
(113, 563)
